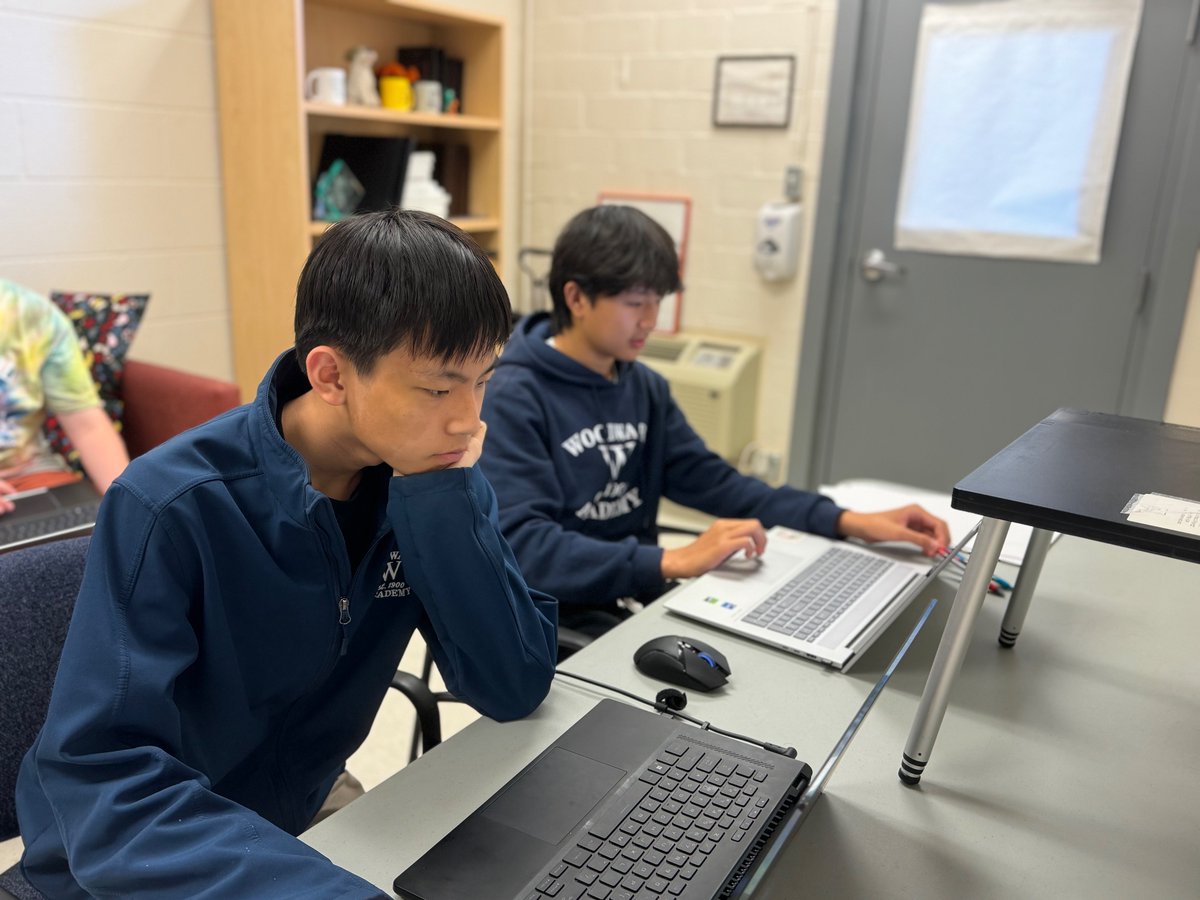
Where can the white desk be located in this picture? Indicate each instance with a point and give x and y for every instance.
(1068, 769)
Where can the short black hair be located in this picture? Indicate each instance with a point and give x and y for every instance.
(609, 249)
(383, 280)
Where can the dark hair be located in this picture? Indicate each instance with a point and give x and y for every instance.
(610, 249)
(383, 280)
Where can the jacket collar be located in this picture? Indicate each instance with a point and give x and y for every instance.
(284, 467)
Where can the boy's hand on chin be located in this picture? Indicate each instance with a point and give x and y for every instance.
(474, 449)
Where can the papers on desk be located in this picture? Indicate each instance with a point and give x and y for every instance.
(1162, 511)
(866, 495)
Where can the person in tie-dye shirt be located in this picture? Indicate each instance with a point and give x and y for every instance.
(42, 370)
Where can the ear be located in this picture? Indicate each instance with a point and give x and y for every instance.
(576, 300)
(326, 370)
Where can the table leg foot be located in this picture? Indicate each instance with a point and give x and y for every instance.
(1008, 639)
(911, 770)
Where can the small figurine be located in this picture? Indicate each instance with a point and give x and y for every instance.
(360, 87)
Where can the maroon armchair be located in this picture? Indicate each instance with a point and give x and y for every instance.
(160, 402)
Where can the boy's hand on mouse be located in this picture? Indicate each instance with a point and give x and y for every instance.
(6, 505)
(723, 539)
(910, 524)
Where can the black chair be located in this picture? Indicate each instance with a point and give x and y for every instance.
(427, 728)
(38, 586)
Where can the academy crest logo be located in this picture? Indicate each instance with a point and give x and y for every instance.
(392, 583)
(616, 442)
(616, 455)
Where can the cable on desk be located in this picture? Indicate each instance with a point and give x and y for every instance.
(671, 702)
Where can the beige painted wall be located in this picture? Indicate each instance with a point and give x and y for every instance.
(109, 164)
(621, 98)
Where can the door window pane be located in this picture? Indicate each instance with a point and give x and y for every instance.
(1013, 129)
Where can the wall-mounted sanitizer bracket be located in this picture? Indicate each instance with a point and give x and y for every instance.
(777, 241)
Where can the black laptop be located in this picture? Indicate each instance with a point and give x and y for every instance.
(626, 805)
(46, 514)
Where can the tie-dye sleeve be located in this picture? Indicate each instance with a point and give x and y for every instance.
(66, 381)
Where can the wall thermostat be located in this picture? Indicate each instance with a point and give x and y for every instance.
(777, 241)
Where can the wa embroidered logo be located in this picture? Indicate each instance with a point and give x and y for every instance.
(392, 583)
(616, 442)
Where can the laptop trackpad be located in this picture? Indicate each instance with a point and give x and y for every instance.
(501, 846)
(550, 799)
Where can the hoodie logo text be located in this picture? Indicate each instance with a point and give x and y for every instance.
(616, 442)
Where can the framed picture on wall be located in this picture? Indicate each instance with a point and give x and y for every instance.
(673, 212)
(753, 91)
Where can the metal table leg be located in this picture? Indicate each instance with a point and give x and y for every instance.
(1027, 579)
(953, 648)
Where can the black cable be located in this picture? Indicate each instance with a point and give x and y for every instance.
(670, 702)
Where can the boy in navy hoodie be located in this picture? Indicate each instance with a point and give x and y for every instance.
(252, 584)
(584, 440)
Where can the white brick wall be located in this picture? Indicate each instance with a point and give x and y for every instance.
(621, 98)
(109, 164)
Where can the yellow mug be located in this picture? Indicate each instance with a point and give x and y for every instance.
(396, 92)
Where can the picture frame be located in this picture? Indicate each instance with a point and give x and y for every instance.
(674, 213)
(753, 91)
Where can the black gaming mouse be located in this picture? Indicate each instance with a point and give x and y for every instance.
(683, 661)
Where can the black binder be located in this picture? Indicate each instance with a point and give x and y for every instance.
(379, 163)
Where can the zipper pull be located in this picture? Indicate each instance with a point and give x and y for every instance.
(344, 620)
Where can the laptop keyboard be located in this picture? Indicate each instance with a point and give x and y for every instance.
(68, 517)
(809, 603)
(683, 806)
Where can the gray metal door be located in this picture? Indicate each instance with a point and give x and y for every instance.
(930, 371)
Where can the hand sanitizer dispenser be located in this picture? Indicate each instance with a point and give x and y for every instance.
(777, 241)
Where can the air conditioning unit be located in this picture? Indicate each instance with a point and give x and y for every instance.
(715, 382)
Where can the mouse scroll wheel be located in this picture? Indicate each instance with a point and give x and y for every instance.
(708, 659)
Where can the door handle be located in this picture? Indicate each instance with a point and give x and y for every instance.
(875, 266)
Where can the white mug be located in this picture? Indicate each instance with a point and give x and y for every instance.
(427, 96)
(327, 85)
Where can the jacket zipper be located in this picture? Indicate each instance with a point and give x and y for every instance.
(344, 620)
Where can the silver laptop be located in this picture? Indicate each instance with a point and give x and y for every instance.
(819, 598)
(47, 514)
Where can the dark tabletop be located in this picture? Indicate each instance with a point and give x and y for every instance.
(1075, 471)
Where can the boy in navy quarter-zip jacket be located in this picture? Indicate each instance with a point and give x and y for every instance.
(584, 440)
(251, 586)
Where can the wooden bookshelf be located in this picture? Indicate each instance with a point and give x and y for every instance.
(271, 138)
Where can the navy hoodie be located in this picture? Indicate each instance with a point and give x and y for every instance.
(580, 462)
(223, 661)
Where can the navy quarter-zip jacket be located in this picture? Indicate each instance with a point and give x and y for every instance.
(222, 662)
(580, 463)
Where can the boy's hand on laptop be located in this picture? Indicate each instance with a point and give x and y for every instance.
(723, 539)
(910, 524)
(6, 505)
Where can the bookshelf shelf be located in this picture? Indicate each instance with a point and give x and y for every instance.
(415, 119)
(271, 138)
(469, 224)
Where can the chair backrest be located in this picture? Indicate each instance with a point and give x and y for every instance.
(38, 586)
(160, 402)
